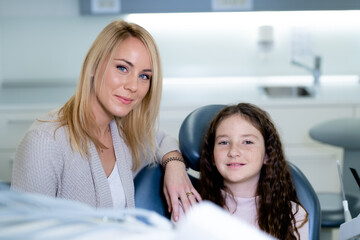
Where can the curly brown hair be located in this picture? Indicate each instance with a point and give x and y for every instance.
(275, 188)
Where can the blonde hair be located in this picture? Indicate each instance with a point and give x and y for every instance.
(138, 127)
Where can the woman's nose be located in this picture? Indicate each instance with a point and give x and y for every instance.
(131, 83)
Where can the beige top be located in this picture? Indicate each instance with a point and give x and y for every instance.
(245, 208)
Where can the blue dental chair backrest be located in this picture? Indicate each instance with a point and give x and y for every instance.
(148, 190)
(191, 135)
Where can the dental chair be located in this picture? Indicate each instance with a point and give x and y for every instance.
(191, 135)
(344, 133)
(192, 132)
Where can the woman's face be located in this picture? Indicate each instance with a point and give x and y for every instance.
(126, 81)
(239, 152)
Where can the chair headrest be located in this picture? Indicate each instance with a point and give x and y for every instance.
(343, 132)
(192, 133)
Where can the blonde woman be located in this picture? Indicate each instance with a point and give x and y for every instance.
(91, 148)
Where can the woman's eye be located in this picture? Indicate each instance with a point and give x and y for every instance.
(145, 76)
(122, 68)
(248, 142)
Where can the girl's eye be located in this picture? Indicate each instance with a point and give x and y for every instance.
(145, 76)
(122, 68)
(248, 142)
(223, 143)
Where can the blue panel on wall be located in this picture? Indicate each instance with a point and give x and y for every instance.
(174, 6)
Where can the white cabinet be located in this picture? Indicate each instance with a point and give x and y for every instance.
(318, 163)
(6, 161)
(13, 125)
(316, 160)
(292, 117)
(294, 122)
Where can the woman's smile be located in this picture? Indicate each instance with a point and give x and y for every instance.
(124, 100)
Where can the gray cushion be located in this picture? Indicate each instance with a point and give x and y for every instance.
(344, 132)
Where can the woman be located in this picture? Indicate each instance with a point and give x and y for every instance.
(90, 149)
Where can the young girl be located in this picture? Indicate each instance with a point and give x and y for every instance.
(243, 170)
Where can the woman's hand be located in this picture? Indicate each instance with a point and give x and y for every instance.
(177, 186)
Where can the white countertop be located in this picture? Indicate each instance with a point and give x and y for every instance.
(194, 92)
(334, 90)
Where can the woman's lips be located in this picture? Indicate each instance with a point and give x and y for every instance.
(124, 100)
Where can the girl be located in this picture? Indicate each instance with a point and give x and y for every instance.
(243, 170)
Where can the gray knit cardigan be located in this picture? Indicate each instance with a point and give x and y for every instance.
(46, 164)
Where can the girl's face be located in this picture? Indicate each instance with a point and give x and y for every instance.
(239, 154)
(126, 81)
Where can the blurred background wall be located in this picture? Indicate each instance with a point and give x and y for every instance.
(46, 40)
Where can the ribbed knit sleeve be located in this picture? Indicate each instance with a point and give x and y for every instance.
(166, 144)
(37, 164)
(45, 163)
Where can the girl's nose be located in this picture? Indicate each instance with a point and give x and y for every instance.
(234, 151)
